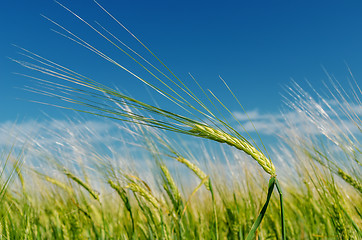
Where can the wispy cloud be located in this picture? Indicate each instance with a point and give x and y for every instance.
(49, 130)
(264, 123)
(317, 119)
(74, 140)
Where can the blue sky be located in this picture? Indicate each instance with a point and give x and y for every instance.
(256, 46)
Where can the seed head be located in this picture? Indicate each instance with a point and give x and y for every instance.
(222, 137)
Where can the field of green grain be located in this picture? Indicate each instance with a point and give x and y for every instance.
(215, 183)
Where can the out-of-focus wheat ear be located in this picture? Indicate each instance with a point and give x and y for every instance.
(144, 193)
(151, 214)
(20, 175)
(65, 232)
(58, 183)
(203, 181)
(196, 170)
(350, 180)
(7, 230)
(122, 193)
(176, 195)
(222, 137)
(89, 189)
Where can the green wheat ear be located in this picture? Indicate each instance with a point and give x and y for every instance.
(222, 137)
(79, 181)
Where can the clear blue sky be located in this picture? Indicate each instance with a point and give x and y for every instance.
(256, 46)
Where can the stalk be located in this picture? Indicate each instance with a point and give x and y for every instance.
(281, 208)
(257, 222)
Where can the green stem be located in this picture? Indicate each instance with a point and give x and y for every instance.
(214, 210)
(281, 207)
(263, 210)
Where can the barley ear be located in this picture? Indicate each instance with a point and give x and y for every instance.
(172, 185)
(70, 175)
(222, 137)
(201, 175)
(144, 193)
(350, 180)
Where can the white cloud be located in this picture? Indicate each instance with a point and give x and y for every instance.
(48, 130)
(252, 115)
(264, 123)
(316, 119)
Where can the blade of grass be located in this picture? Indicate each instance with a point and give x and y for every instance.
(263, 210)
